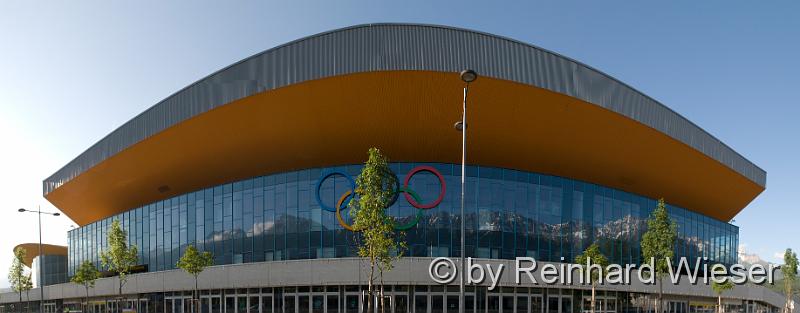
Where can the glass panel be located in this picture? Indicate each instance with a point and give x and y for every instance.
(266, 304)
(288, 304)
(253, 305)
(333, 304)
(493, 305)
(400, 304)
(241, 304)
(508, 304)
(230, 305)
(215, 305)
(420, 304)
(303, 304)
(318, 304)
(512, 214)
(452, 304)
(566, 305)
(522, 305)
(437, 304)
(351, 304)
(552, 304)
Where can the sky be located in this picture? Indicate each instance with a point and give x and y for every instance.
(73, 71)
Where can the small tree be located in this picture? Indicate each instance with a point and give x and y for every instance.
(194, 262)
(27, 285)
(375, 187)
(719, 288)
(119, 258)
(657, 243)
(386, 262)
(789, 270)
(86, 275)
(589, 257)
(16, 274)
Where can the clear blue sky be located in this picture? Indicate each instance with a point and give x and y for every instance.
(71, 72)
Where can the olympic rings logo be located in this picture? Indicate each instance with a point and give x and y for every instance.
(411, 196)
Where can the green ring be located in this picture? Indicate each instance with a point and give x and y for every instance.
(418, 216)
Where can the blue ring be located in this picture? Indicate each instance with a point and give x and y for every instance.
(323, 178)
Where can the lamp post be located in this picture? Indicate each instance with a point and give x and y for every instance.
(41, 253)
(467, 76)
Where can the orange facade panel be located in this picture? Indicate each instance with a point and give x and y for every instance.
(32, 251)
(410, 116)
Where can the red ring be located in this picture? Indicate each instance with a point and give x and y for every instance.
(433, 171)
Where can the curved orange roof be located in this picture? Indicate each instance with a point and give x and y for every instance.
(323, 100)
(32, 251)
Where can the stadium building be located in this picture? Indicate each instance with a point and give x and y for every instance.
(52, 257)
(250, 162)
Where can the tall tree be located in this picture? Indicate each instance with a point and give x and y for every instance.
(27, 285)
(86, 275)
(118, 257)
(657, 243)
(789, 270)
(386, 262)
(194, 262)
(719, 288)
(16, 274)
(375, 188)
(589, 257)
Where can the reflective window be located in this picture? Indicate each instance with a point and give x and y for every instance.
(509, 213)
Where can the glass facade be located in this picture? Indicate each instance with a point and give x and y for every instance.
(55, 269)
(510, 213)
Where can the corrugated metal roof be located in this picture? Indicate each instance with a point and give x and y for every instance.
(387, 47)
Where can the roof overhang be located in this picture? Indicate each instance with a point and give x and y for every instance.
(32, 251)
(324, 99)
(409, 115)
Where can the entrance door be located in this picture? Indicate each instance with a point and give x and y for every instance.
(143, 306)
(400, 304)
(241, 304)
(179, 305)
(537, 304)
(289, 305)
(352, 303)
(211, 304)
(559, 304)
(493, 303)
(238, 304)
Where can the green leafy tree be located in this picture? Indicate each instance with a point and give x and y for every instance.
(194, 262)
(386, 262)
(375, 187)
(27, 285)
(16, 274)
(119, 258)
(719, 288)
(657, 243)
(789, 270)
(86, 275)
(589, 257)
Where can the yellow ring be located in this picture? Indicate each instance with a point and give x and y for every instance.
(339, 211)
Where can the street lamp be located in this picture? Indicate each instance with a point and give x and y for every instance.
(467, 76)
(41, 254)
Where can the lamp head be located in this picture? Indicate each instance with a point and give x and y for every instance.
(21, 210)
(468, 76)
(56, 214)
